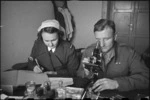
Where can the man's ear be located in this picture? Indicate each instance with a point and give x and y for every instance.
(115, 37)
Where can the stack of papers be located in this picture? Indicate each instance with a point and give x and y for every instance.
(15, 97)
(4, 96)
(55, 81)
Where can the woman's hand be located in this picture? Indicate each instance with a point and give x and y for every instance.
(37, 69)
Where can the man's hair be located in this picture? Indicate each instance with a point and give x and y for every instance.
(104, 23)
(50, 30)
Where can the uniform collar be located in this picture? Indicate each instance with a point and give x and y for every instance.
(58, 45)
(112, 53)
(53, 49)
(109, 55)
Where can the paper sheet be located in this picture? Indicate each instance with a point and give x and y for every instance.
(55, 80)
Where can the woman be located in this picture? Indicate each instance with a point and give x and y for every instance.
(51, 54)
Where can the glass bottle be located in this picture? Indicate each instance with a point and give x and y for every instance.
(30, 91)
(46, 87)
(44, 90)
(61, 90)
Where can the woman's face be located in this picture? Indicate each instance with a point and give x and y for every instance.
(50, 40)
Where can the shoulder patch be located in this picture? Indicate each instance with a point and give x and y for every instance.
(71, 46)
(122, 44)
(126, 47)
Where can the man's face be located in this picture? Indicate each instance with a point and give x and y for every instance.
(50, 40)
(106, 38)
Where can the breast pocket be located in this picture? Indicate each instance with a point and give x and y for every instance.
(118, 69)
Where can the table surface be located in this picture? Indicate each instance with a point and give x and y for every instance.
(131, 95)
(82, 83)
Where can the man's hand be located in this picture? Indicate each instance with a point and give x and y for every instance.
(105, 83)
(37, 69)
(88, 73)
(85, 60)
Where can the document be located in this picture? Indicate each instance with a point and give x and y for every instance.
(55, 81)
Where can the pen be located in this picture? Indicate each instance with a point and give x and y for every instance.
(38, 64)
(97, 96)
(83, 96)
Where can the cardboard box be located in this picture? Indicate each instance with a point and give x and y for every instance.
(20, 77)
(7, 89)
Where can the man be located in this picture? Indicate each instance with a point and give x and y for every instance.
(51, 54)
(122, 68)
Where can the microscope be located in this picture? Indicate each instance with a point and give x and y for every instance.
(95, 67)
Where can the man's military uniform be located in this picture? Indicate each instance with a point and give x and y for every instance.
(124, 66)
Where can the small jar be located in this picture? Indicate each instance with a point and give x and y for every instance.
(47, 85)
(61, 91)
(30, 88)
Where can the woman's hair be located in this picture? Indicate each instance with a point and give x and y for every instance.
(50, 30)
(104, 23)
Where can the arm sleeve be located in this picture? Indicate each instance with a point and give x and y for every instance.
(31, 63)
(72, 63)
(138, 75)
(81, 73)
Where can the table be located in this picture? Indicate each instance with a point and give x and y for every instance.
(131, 95)
(82, 83)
